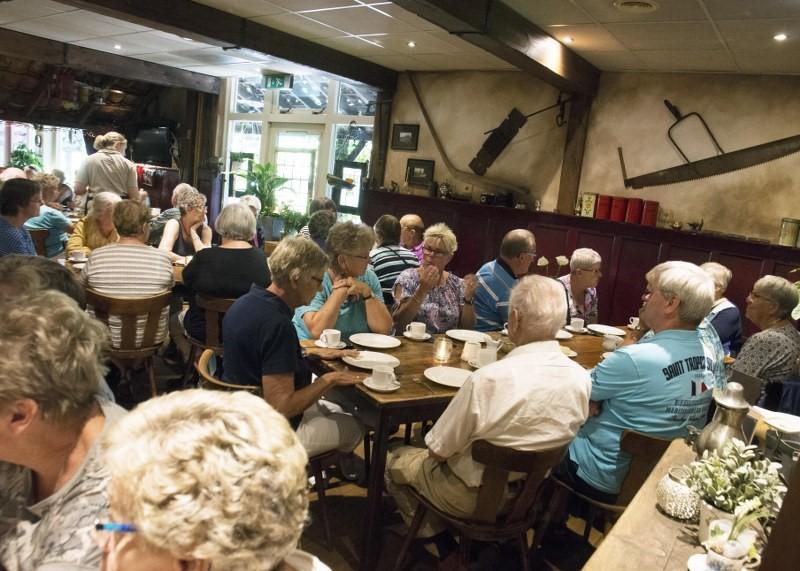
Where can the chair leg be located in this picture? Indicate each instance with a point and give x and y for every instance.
(463, 552)
(189, 371)
(591, 515)
(319, 487)
(523, 551)
(148, 364)
(555, 509)
(410, 536)
(367, 454)
(409, 431)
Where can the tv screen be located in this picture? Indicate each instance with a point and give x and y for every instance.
(152, 146)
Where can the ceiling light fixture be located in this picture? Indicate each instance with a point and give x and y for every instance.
(779, 37)
(568, 40)
(117, 47)
(636, 6)
(411, 44)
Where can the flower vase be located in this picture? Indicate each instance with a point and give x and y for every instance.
(709, 513)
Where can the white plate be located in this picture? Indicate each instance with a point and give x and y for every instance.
(467, 335)
(447, 376)
(567, 351)
(697, 562)
(371, 359)
(571, 329)
(607, 354)
(408, 335)
(375, 340)
(605, 329)
(77, 261)
(390, 389)
(319, 343)
(561, 335)
(782, 422)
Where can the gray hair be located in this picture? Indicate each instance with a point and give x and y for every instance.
(690, 284)
(294, 259)
(347, 238)
(516, 242)
(442, 233)
(584, 259)
(719, 273)
(210, 475)
(542, 304)
(103, 202)
(22, 275)
(53, 354)
(252, 202)
(236, 222)
(320, 224)
(779, 291)
(188, 200)
(180, 190)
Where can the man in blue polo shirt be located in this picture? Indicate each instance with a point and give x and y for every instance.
(496, 278)
(658, 386)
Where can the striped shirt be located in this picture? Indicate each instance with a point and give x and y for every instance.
(388, 262)
(491, 296)
(129, 271)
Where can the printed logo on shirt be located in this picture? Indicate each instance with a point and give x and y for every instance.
(678, 368)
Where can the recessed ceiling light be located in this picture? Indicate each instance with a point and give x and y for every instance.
(636, 6)
(117, 47)
(411, 44)
(779, 37)
(568, 40)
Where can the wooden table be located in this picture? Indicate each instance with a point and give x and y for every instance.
(417, 400)
(643, 537)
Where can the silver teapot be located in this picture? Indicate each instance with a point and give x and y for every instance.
(727, 422)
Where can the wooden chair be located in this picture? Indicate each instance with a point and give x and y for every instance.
(214, 308)
(209, 381)
(486, 523)
(39, 238)
(129, 310)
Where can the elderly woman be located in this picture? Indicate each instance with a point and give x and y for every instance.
(319, 225)
(96, 229)
(54, 479)
(187, 235)
(206, 480)
(108, 170)
(581, 283)
(252, 202)
(20, 200)
(429, 294)
(317, 205)
(49, 218)
(262, 349)
(130, 268)
(724, 316)
(351, 299)
(159, 222)
(227, 271)
(389, 258)
(772, 353)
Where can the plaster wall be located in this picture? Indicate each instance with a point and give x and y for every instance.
(462, 106)
(741, 111)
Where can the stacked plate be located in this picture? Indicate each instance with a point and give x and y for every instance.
(375, 340)
(605, 329)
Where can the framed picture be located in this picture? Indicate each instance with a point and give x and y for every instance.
(405, 137)
(419, 172)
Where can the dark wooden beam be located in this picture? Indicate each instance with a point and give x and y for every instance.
(574, 147)
(187, 18)
(25, 46)
(499, 30)
(45, 82)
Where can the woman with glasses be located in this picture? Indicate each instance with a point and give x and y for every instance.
(187, 235)
(96, 229)
(432, 295)
(20, 200)
(350, 299)
(581, 284)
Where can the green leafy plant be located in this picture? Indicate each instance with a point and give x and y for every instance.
(22, 156)
(292, 219)
(263, 181)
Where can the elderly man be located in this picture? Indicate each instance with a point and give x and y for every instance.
(411, 230)
(657, 386)
(534, 398)
(496, 278)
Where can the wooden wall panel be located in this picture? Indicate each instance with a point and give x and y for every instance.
(631, 260)
(694, 255)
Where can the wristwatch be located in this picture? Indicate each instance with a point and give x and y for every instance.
(370, 296)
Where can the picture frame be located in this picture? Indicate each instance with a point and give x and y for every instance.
(405, 137)
(419, 172)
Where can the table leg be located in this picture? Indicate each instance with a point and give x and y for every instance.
(370, 538)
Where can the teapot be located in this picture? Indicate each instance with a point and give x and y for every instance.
(727, 422)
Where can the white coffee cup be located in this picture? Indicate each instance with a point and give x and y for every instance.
(416, 329)
(78, 255)
(331, 337)
(383, 376)
(577, 323)
(470, 351)
(611, 342)
(155, 212)
(633, 322)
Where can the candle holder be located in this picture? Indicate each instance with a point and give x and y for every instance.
(442, 349)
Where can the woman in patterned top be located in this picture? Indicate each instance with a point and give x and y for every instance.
(581, 284)
(429, 294)
(772, 353)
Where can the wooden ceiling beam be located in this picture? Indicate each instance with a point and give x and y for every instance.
(499, 30)
(216, 27)
(25, 46)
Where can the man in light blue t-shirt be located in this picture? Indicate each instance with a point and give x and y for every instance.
(658, 386)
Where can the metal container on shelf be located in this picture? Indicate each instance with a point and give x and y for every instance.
(790, 228)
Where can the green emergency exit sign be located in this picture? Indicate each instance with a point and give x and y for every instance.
(278, 80)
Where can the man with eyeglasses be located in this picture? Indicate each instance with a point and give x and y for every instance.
(496, 278)
(411, 230)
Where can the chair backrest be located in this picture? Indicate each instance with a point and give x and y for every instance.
(129, 310)
(214, 308)
(751, 386)
(39, 238)
(645, 453)
(499, 463)
(210, 381)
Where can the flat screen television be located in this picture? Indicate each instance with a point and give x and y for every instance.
(152, 146)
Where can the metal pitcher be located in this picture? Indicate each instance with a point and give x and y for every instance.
(727, 422)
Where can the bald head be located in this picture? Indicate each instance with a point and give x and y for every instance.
(411, 229)
(12, 172)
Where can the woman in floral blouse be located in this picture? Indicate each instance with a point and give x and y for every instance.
(581, 284)
(432, 295)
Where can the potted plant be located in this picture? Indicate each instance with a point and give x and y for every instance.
(731, 542)
(293, 221)
(22, 156)
(263, 182)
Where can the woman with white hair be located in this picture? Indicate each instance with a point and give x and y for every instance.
(254, 204)
(432, 295)
(351, 299)
(51, 421)
(187, 235)
(771, 354)
(724, 316)
(205, 480)
(96, 229)
(581, 284)
(108, 170)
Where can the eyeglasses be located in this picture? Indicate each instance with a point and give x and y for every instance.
(432, 252)
(105, 532)
(367, 257)
(318, 280)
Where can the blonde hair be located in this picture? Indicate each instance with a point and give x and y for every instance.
(102, 202)
(130, 216)
(188, 200)
(180, 190)
(542, 304)
(49, 184)
(442, 233)
(295, 258)
(691, 285)
(779, 291)
(53, 354)
(236, 222)
(347, 238)
(108, 140)
(210, 475)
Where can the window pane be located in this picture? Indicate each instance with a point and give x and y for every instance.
(70, 153)
(357, 100)
(309, 93)
(353, 143)
(249, 95)
(296, 160)
(244, 143)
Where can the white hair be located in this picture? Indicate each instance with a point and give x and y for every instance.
(251, 201)
(584, 259)
(780, 291)
(690, 284)
(236, 222)
(103, 202)
(719, 273)
(542, 305)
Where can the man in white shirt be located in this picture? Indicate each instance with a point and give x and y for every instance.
(535, 398)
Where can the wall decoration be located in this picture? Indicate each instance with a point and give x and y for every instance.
(419, 172)
(405, 137)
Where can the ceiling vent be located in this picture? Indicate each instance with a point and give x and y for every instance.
(636, 6)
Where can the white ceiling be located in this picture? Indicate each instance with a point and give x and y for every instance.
(729, 36)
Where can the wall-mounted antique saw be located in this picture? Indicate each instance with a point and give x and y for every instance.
(720, 164)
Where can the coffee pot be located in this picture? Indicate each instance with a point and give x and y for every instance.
(727, 422)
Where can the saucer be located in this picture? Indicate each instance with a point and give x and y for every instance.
(573, 330)
(340, 345)
(567, 351)
(408, 335)
(390, 389)
(697, 562)
(607, 354)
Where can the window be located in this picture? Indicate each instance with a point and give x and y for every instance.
(308, 93)
(296, 160)
(357, 100)
(249, 95)
(244, 145)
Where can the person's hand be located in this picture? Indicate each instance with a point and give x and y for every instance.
(344, 378)
(358, 289)
(331, 354)
(428, 279)
(195, 226)
(595, 407)
(470, 284)
(342, 285)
